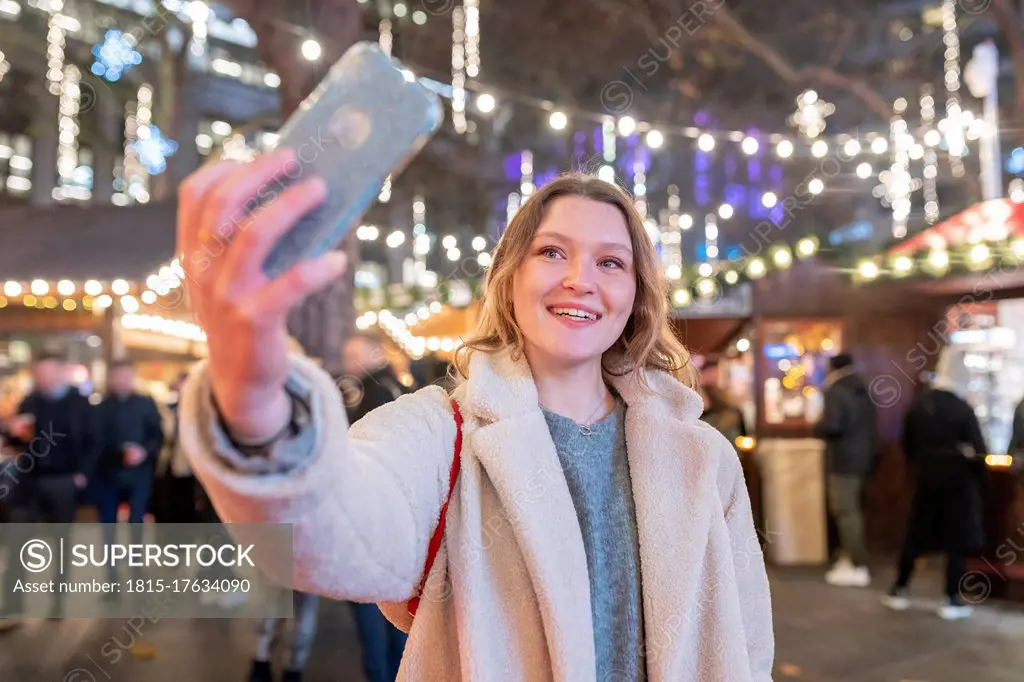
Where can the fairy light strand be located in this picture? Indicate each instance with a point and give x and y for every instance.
(954, 115)
(640, 187)
(68, 131)
(386, 36)
(459, 70)
(672, 238)
(55, 48)
(526, 186)
(930, 170)
(472, 38)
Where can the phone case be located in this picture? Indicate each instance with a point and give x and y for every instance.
(364, 121)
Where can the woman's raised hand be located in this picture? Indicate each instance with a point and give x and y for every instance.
(222, 248)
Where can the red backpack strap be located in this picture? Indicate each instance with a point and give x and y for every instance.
(435, 540)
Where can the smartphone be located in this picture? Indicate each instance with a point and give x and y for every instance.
(363, 122)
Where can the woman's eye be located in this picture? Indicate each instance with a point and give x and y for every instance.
(612, 262)
(549, 252)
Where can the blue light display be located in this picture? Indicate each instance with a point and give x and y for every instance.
(1015, 164)
(153, 149)
(115, 55)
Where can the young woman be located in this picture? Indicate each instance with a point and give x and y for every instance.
(598, 530)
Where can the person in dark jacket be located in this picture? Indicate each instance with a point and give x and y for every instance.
(848, 426)
(945, 448)
(370, 382)
(719, 409)
(56, 439)
(132, 435)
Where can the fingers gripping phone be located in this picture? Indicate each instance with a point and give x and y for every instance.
(364, 121)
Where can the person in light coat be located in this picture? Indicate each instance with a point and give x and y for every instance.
(598, 530)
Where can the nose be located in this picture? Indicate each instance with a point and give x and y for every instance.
(580, 276)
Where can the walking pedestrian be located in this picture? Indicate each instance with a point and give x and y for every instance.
(945, 449)
(848, 427)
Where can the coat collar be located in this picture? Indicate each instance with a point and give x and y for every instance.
(673, 470)
(502, 387)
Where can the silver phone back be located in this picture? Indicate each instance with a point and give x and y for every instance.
(364, 121)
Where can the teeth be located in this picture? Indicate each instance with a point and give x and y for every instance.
(574, 312)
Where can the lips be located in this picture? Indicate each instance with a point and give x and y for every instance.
(575, 313)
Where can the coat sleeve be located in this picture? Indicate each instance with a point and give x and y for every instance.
(1016, 446)
(362, 502)
(153, 429)
(831, 423)
(751, 577)
(92, 444)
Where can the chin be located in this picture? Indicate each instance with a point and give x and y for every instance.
(571, 352)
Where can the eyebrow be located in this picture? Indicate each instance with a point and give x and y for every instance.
(558, 236)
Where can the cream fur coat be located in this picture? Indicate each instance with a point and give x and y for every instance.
(508, 596)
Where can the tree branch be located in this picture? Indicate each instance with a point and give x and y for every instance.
(777, 63)
(840, 49)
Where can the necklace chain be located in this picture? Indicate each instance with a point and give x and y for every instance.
(587, 428)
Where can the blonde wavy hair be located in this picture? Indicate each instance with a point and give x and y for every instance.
(647, 340)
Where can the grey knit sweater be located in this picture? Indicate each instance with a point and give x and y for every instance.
(597, 473)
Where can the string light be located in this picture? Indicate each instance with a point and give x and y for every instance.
(930, 170)
(512, 206)
(608, 139)
(199, 13)
(640, 187)
(711, 234)
(55, 47)
(68, 130)
(526, 185)
(811, 112)
(896, 183)
(671, 237)
(5, 66)
(459, 70)
(386, 36)
(954, 118)
(134, 177)
(472, 50)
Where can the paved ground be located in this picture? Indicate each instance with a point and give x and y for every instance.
(824, 634)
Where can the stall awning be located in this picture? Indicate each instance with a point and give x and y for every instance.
(988, 221)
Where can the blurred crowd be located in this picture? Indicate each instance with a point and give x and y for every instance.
(67, 455)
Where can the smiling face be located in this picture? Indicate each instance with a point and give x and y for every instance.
(575, 289)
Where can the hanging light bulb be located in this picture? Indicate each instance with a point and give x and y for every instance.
(485, 103)
(558, 120)
(811, 112)
(311, 50)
